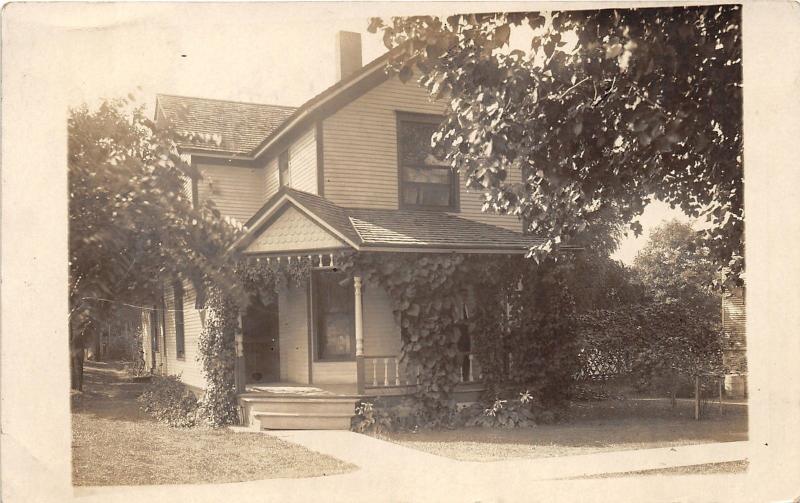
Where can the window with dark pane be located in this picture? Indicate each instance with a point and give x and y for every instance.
(284, 176)
(179, 330)
(334, 301)
(154, 329)
(426, 181)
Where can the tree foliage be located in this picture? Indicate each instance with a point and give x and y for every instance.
(604, 110)
(131, 226)
(676, 268)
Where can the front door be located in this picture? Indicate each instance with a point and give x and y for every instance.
(260, 338)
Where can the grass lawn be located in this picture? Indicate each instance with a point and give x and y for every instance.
(610, 425)
(706, 469)
(115, 443)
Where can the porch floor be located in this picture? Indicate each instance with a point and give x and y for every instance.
(290, 389)
(300, 390)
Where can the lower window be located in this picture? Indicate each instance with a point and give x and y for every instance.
(334, 318)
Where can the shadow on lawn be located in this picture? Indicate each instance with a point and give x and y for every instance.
(597, 426)
(108, 393)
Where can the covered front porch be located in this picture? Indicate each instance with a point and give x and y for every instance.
(321, 345)
(314, 344)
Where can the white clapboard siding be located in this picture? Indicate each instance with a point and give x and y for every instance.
(334, 372)
(303, 162)
(293, 333)
(271, 178)
(189, 367)
(360, 145)
(360, 152)
(237, 192)
(146, 338)
(381, 331)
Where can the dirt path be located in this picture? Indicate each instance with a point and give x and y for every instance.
(109, 393)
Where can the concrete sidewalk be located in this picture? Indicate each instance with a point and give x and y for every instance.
(486, 481)
(370, 453)
(393, 473)
(563, 467)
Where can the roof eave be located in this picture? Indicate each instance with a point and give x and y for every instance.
(308, 109)
(382, 248)
(209, 151)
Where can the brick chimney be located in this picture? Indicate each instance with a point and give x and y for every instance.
(348, 54)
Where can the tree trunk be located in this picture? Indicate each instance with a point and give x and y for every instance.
(76, 367)
(75, 359)
(697, 398)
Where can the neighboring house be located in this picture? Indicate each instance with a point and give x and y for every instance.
(350, 170)
(734, 356)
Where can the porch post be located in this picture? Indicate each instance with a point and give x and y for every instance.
(359, 320)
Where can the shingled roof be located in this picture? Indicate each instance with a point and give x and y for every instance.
(413, 229)
(217, 125)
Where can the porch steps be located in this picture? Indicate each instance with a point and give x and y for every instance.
(266, 411)
(302, 421)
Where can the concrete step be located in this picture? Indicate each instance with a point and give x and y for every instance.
(302, 405)
(301, 421)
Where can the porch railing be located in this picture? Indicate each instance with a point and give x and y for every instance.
(388, 370)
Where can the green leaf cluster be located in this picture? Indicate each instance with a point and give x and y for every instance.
(132, 223)
(606, 110)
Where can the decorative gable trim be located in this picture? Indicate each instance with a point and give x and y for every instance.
(291, 230)
(273, 212)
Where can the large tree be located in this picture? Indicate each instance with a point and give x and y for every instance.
(675, 267)
(603, 111)
(131, 224)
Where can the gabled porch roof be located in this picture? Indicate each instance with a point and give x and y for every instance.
(365, 229)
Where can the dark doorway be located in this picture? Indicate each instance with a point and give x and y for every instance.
(260, 337)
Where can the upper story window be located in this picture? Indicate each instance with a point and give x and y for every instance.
(425, 181)
(284, 176)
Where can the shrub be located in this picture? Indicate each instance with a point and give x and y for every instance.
(410, 414)
(663, 346)
(520, 411)
(168, 400)
(371, 419)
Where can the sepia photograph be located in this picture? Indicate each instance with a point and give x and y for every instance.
(387, 252)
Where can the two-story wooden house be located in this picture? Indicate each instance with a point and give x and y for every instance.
(351, 169)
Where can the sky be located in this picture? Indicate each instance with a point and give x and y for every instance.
(264, 53)
(654, 214)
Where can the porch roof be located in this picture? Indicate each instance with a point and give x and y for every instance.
(386, 230)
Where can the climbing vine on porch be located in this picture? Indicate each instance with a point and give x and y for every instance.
(519, 321)
(217, 353)
(265, 277)
(217, 344)
(428, 294)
